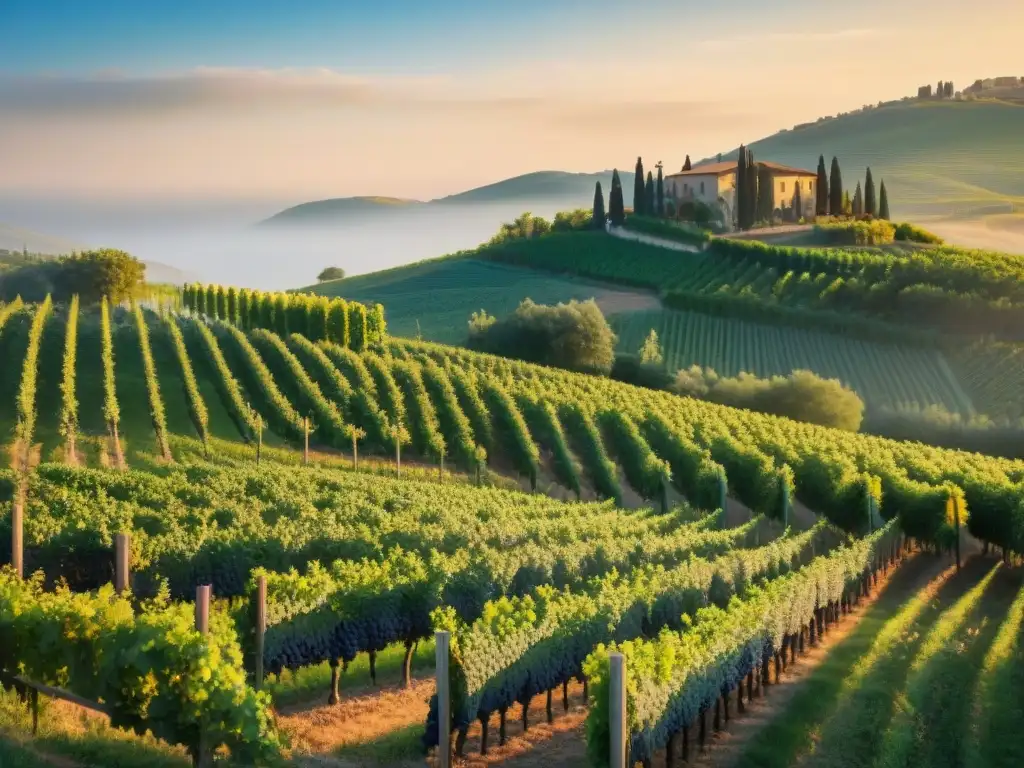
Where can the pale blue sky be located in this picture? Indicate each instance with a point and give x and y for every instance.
(305, 99)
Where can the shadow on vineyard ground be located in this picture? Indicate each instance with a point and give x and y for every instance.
(867, 657)
(70, 737)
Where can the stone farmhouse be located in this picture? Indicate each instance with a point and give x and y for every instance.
(715, 185)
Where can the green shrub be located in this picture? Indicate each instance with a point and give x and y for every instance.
(802, 395)
(849, 232)
(575, 336)
(911, 233)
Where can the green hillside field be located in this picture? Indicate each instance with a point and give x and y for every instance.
(889, 367)
(937, 158)
(892, 376)
(440, 295)
(935, 666)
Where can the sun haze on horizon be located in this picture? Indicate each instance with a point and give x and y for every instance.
(249, 100)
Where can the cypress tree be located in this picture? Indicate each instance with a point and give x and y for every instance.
(798, 203)
(649, 200)
(639, 191)
(835, 186)
(858, 202)
(686, 165)
(870, 203)
(846, 206)
(751, 189)
(821, 203)
(741, 187)
(883, 202)
(599, 215)
(616, 207)
(659, 194)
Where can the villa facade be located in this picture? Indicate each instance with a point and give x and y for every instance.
(715, 185)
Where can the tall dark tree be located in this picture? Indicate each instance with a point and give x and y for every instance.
(765, 195)
(639, 191)
(616, 207)
(599, 214)
(741, 188)
(835, 187)
(821, 202)
(870, 201)
(659, 194)
(798, 203)
(883, 202)
(858, 202)
(649, 196)
(686, 165)
(751, 189)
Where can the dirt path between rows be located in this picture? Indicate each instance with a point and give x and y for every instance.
(658, 242)
(564, 742)
(727, 746)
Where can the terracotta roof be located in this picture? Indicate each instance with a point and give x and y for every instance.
(708, 169)
(720, 169)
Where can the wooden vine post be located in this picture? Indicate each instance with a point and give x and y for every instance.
(785, 504)
(723, 488)
(122, 562)
(261, 628)
(442, 640)
(956, 519)
(204, 756)
(617, 709)
(18, 530)
(357, 434)
(259, 438)
(305, 443)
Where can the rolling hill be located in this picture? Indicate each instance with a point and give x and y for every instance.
(558, 189)
(943, 158)
(955, 161)
(340, 209)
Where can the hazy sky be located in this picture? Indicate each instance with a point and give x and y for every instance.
(293, 99)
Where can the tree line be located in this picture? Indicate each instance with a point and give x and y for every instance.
(348, 323)
(755, 195)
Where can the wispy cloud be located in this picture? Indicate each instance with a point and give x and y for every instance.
(205, 87)
(811, 36)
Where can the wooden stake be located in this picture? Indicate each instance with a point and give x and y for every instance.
(122, 562)
(305, 445)
(442, 640)
(956, 514)
(617, 710)
(203, 608)
(261, 626)
(204, 756)
(18, 531)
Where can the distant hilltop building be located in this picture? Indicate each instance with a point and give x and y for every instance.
(715, 185)
(995, 82)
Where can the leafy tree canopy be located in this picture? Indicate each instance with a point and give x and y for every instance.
(91, 275)
(575, 336)
(331, 273)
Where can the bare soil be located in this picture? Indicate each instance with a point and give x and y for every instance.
(357, 719)
(623, 301)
